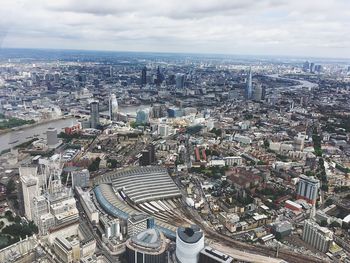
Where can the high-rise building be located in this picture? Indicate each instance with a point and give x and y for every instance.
(80, 178)
(308, 189)
(148, 156)
(159, 77)
(249, 87)
(94, 115)
(306, 66)
(113, 107)
(319, 237)
(52, 139)
(144, 76)
(189, 243)
(30, 191)
(137, 224)
(163, 130)
(142, 116)
(180, 81)
(312, 67)
(258, 93)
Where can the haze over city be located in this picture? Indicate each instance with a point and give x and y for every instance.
(242, 27)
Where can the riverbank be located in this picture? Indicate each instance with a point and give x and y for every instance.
(27, 126)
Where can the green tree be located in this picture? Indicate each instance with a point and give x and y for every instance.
(334, 224)
(10, 186)
(323, 223)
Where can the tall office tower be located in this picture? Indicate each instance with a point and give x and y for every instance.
(308, 189)
(159, 77)
(312, 67)
(94, 115)
(189, 243)
(144, 76)
(30, 191)
(148, 156)
(52, 139)
(317, 236)
(306, 66)
(249, 87)
(142, 116)
(258, 93)
(113, 107)
(299, 142)
(180, 81)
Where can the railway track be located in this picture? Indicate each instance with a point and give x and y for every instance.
(286, 255)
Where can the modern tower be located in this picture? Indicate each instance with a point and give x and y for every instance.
(189, 243)
(144, 76)
(113, 107)
(180, 81)
(94, 115)
(249, 87)
(308, 189)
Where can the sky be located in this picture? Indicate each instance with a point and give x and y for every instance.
(307, 28)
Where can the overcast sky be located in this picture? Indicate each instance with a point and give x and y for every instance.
(247, 27)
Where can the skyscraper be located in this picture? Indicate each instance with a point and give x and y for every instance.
(249, 87)
(308, 189)
(144, 76)
(94, 115)
(113, 107)
(180, 81)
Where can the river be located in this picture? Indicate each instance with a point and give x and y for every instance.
(303, 83)
(14, 138)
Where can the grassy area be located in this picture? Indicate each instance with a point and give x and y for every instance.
(8, 123)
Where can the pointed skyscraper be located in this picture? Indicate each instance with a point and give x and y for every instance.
(249, 88)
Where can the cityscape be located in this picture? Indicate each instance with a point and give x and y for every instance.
(158, 152)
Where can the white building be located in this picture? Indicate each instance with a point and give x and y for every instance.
(163, 130)
(189, 243)
(232, 160)
(317, 236)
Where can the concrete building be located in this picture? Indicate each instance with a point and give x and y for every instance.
(233, 160)
(317, 236)
(67, 250)
(307, 189)
(149, 246)
(163, 130)
(52, 139)
(137, 224)
(88, 206)
(80, 178)
(189, 244)
(211, 255)
(30, 191)
(110, 227)
(94, 115)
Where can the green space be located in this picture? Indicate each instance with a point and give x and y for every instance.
(214, 172)
(8, 123)
(13, 232)
(95, 165)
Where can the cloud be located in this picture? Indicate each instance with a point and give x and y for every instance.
(307, 28)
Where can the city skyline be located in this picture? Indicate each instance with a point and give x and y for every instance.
(277, 28)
